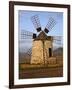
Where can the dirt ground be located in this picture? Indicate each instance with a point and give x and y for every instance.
(40, 71)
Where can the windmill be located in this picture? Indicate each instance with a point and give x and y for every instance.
(42, 46)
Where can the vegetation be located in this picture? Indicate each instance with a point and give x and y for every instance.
(32, 66)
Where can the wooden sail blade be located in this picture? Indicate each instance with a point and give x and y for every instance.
(58, 40)
(36, 22)
(51, 23)
(26, 34)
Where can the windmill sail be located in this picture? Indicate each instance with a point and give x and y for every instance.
(27, 35)
(36, 22)
(25, 42)
(51, 23)
(58, 40)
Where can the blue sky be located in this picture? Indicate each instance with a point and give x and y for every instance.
(25, 23)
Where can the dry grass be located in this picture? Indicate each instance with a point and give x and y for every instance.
(39, 71)
(31, 66)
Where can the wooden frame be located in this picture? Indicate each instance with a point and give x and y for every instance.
(11, 43)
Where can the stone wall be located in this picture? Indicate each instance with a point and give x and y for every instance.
(37, 53)
(40, 52)
(47, 45)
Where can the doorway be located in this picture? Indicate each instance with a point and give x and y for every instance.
(50, 52)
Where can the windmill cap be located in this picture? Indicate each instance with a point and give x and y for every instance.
(43, 36)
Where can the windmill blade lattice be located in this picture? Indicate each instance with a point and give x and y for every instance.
(29, 52)
(51, 23)
(58, 40)
(36, 22)
(26, 34)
